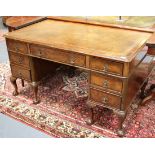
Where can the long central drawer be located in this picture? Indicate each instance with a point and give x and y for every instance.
(58, 55)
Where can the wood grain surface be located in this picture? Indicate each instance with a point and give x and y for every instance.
(105, 42)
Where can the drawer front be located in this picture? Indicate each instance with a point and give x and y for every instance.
(19, 72)
(58, 55)
(106, 82)
(19, 59)
(17, 46)
(106, 65)
(105, 99)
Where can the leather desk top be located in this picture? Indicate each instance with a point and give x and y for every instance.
(102, 41)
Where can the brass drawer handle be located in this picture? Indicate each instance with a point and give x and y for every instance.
(105, 84)
(105, 67)
(105, 100)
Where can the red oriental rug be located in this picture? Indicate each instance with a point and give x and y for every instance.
(62, 110)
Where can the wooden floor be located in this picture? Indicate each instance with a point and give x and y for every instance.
(10, 128)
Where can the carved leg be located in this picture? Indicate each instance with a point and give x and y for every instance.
(35, 90)
(22, 81)
(13, 81)
(122, 115)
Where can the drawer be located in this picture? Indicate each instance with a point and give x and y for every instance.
(17, 46)
(106, 82)
(19, 59)
(103, 98)
(20, 72)
(104, 65)
(58, 55)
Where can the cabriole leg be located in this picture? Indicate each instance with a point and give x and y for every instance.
(122, 115)
(13, 81)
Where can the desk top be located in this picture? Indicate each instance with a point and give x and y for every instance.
(102, 41)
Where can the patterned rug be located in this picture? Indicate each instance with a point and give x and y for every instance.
(63, 109)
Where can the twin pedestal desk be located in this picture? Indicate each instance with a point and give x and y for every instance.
(115, 59)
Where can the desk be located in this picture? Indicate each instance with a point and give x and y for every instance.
(114, 58)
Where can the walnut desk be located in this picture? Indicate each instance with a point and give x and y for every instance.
(118, 66)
